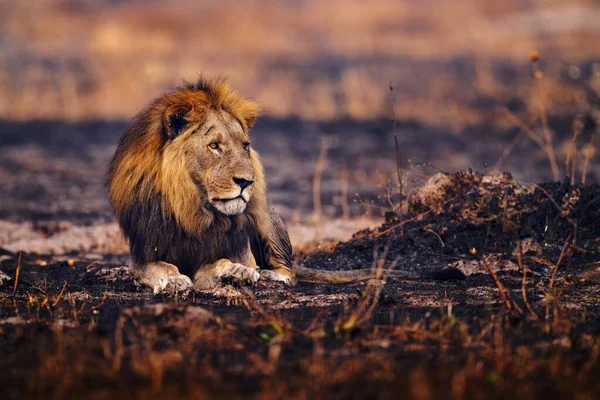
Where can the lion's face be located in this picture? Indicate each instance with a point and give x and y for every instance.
(217, 156)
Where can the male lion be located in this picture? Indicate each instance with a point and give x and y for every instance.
(190, 195)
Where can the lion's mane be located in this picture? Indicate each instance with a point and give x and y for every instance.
(158, 206)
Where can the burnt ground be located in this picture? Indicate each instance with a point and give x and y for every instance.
(507, 303)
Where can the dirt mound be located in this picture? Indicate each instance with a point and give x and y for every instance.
(468, 216)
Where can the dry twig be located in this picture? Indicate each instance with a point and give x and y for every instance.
(17, 273)
(399, 170)
(589, 150)
(506, 297)
(547, 133)
(62, 291)
(524, 281)
(320, 167)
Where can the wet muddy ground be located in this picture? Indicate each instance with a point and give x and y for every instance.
(506, 300)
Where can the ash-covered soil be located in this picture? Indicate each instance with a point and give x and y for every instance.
(55, 170)
(508, 305)
(504, 298)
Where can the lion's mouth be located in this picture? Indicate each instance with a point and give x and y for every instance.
(227, 199)
(231, 205)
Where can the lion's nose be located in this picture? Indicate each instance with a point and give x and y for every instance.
(243, 183)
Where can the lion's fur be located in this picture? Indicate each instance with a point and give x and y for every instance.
(150, 188)
(143, 166)
(166, 215)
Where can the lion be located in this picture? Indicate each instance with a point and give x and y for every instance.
(190, 195)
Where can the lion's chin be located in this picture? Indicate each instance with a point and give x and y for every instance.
(231, 207)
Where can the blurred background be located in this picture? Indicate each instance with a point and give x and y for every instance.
(494, 86)
(82, 59)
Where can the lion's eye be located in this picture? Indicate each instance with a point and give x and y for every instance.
(246, 146)
(214, 146)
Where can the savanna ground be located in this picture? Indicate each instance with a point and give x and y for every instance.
(508, 303)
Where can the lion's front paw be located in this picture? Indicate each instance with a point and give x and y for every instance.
(239, 272)
(177, 283)
(212, 275)
(280, 275)
(161, 277)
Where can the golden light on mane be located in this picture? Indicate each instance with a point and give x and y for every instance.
(145, 165)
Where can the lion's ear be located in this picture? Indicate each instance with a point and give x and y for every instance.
(174, 120)
(250, 112)
(250, 121)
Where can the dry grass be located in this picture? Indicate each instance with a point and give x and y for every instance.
(216, 357)
(77, 60)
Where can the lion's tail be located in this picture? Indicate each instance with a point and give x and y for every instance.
(313, 275)
(324, 276)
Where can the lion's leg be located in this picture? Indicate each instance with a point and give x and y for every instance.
(249, 259)
(277, 248)
(161, 275)
(210, 275)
